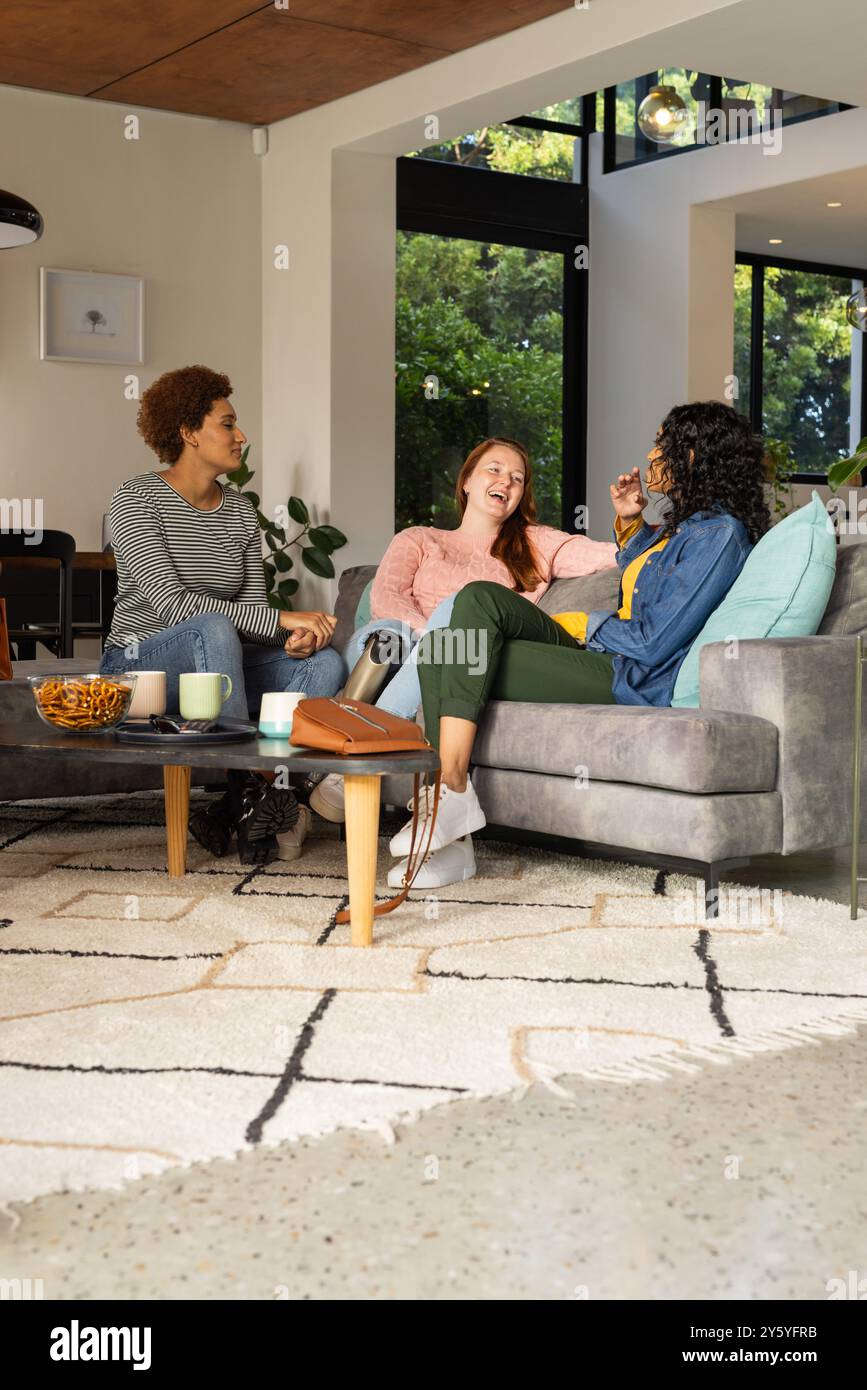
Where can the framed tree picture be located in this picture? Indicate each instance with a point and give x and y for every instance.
(86, 316)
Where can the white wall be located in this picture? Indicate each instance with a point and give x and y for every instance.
(180, 207)
(661, 282)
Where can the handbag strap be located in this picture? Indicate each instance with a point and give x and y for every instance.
(414, 860)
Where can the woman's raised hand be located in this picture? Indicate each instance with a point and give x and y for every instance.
(320, 625)
(627, 498)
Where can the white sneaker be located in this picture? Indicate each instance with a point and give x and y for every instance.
(327, 798)
(459, 815)
(290, 841)
(453, 864)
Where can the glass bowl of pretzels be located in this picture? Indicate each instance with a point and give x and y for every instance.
(82, 704)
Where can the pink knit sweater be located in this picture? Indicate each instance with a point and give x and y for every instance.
(423, 565)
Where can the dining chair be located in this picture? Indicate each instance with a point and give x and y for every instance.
(56, 636)
(5, 652)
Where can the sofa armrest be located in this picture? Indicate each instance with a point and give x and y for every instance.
(806, 686)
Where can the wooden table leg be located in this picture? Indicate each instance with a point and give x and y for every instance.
(176, 781)
(362, 830)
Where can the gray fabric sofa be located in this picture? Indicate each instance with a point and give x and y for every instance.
(763, 766)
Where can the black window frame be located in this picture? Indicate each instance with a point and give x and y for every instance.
(445, 199)
(650, 150)
(761, 262)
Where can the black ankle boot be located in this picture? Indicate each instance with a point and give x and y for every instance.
(214, 826)
(262, 811)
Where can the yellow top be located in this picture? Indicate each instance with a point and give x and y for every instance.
(576, 623)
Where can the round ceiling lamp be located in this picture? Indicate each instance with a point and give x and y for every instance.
(20, 223)
(856, 310)
(663, 116)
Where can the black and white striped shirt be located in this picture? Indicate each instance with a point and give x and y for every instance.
(175, 561)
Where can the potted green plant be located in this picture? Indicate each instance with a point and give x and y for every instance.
(849, 470)
(779, 468)
(316, 544)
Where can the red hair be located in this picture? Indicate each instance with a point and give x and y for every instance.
(512, 544)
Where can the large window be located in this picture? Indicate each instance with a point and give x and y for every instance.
(490, 332)
(743, 106)
(479, 352)
(545, 144)
(798, 364)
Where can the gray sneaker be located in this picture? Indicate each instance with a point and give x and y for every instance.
(290, 841)
(328, 800)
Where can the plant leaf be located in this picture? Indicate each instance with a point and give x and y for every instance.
(240, 475)
(317, 562)
(318, 536)
(287, 588)
(843, 470)
(272, 543)
(254, 498)
(282, 561)
(298, 511)
(336, 538)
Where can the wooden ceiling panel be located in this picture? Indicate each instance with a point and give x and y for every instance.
(80, 46)
(440, 23)
(269, 66)
(240, 60)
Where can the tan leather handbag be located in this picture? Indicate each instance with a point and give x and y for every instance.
(349, 727)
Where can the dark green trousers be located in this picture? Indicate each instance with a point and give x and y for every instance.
(499, 646)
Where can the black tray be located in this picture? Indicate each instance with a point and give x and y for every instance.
(227, 731)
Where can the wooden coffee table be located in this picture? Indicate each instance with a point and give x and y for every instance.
(362, 785)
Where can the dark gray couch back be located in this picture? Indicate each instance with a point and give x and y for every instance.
(846, 613)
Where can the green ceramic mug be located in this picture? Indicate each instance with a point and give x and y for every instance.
(201, 694)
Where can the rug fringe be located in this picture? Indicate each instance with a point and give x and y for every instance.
(659, 1066)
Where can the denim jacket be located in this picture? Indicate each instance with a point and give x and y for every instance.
(677, 591)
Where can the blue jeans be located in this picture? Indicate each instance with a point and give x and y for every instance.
(210, 642)
(402, 695)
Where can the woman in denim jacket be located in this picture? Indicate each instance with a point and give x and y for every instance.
(708, 465)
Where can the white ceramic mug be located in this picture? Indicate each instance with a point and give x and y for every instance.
(278, 711)
(201, 694)
(149, 696)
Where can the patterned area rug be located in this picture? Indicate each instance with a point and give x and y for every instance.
(148, 1022)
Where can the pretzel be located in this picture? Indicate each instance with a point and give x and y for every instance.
(81, 704)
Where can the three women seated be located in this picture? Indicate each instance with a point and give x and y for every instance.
(192, 597)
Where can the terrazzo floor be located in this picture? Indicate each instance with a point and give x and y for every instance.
(741, 1182)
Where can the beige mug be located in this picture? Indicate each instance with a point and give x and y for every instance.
(149, 696)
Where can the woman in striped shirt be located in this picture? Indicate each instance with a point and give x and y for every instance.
(192, 596)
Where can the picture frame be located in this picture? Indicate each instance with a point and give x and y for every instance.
(90, 316)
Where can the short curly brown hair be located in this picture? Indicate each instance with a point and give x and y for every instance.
(182, 397)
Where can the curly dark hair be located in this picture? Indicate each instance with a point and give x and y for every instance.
(182, 397)
(712, 460)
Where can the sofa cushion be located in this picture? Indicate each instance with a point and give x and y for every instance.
(351, 586)
(846, 612)
(589, 593)
(782, 591)
(685, 750)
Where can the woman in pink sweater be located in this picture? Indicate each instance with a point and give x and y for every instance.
(424, 567)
